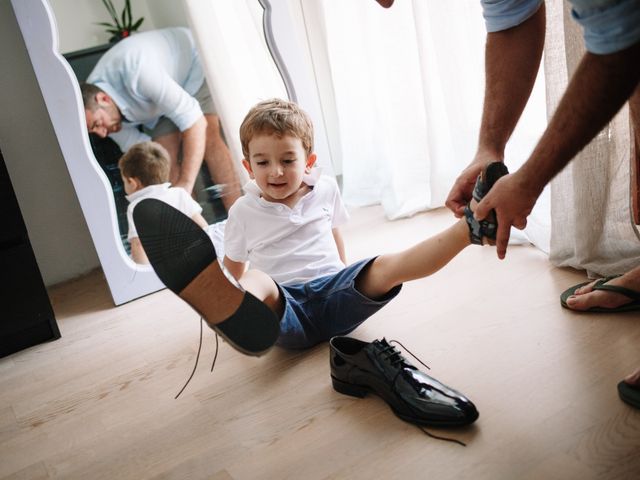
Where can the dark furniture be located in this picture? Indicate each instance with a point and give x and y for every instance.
(26, 316)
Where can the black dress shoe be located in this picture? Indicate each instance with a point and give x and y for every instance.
(184, 258)
(358, 368)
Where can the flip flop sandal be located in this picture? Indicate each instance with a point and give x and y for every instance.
(488, 227)
(629, 394)
(602, 285)
(183, 257)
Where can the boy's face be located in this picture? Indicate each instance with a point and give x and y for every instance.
(277, 164)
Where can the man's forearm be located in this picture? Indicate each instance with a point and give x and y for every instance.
(597, 91)
(193, 146)
(512, 60)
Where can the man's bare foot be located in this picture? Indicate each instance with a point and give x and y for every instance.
(585, 298)
(633, 379)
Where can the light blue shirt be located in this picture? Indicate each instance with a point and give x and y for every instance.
(609, 25)
(149, 75)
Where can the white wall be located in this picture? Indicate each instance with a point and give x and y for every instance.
(55, 224)
(76, 19)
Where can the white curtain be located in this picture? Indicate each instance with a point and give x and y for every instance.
(401, 92)
(237, 62)
(407, 88)
(591, 217)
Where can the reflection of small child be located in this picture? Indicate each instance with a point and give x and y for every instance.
(145, 174)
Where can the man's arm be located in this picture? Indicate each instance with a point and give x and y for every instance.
(512, 60)
(173, 102)
(598, 89)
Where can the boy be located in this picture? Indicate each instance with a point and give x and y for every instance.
(298, 291)
(145, 174)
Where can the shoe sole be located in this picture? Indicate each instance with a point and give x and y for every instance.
(361, 391)
(184, 258)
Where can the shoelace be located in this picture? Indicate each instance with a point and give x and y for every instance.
(395, 356)
(197, 358)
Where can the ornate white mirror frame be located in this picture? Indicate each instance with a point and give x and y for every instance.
(61, 93)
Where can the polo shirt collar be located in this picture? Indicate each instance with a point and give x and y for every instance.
(143, 192)
(251, 187)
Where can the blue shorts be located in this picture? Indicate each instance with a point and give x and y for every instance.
(317, 310)
(609, 25)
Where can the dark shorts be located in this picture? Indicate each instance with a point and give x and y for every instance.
(327, 306)
(166, 126)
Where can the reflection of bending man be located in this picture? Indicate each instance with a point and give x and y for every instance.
(155, 80)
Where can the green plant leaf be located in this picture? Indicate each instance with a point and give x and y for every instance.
(124, 18)
(136, 25)
(112, 11)
(127, 7)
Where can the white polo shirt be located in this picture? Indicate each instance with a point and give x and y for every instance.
(291, 245)
(174, 196)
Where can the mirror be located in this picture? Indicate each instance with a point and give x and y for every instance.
(60, 89)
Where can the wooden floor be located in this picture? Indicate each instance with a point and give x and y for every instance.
(98, 403)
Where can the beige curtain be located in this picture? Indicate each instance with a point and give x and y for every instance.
(591, 226)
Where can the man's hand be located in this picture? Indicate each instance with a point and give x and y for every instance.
(462, 190)
(513, 200)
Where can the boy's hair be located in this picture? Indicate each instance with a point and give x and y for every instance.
(279, 117)
(89, 92)
(146, 161)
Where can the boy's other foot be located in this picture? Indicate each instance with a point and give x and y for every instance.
(183, 257)
(484, 231)
(358, 368)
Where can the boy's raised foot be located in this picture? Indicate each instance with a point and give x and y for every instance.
(183, 257)
(484, 231)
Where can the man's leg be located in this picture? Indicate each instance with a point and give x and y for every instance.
(421, 260)
(586, 297)
(171, 142)
(219, 161)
